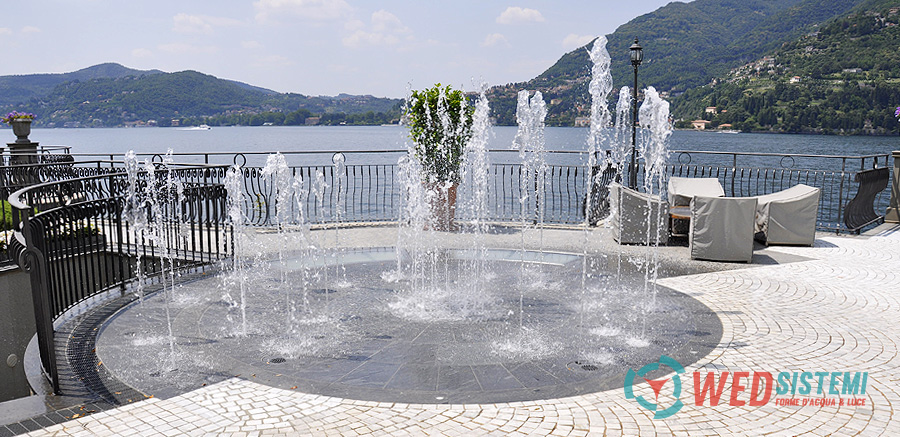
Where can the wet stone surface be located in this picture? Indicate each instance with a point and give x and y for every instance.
(347, 324)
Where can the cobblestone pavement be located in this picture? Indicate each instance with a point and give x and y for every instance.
(835, 313)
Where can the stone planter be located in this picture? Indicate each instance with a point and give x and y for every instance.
(442, 202)
(21, 128)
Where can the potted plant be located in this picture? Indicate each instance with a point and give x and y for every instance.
(78, 238)
(21, 124)
(440, 125)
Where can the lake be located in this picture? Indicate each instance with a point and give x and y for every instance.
(98, 143)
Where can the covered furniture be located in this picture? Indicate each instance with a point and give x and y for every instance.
(631, 214)
(722, 228)
(681, 190)
(788, 216)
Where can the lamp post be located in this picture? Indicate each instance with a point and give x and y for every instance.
(637, 55)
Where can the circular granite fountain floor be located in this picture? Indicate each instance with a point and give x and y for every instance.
(342, 324)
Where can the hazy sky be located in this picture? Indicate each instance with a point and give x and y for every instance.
(314, 47)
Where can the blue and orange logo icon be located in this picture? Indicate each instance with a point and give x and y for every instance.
(657, 385)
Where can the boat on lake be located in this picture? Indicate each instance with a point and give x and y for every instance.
(201, 127)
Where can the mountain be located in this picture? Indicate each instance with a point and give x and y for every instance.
(842, 78)
(113, 95)
(685, 45)
(17, 89)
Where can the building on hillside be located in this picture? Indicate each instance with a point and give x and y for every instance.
(312, 121)
(712, 110)
(700, 124)
(582, 121)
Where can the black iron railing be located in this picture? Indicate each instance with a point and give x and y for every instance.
(843, 180)
(76, 239)
(370, 193)
(72, 230)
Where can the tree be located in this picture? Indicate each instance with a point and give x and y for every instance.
(440, 124)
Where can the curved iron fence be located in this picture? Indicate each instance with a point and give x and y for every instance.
(73, 234)
(76, 241)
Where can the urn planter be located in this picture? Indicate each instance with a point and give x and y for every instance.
(21, 128)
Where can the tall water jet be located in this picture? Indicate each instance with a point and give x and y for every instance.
(235, 218)
(598, 136)
(279, 175)
(621, 142)
(529, 140)
(339, 162)
(599, 88)
(301, 194)
(135, 214)
(162, 195)
(654, 150)
(440, 124)
(475, 193)
(319, 187)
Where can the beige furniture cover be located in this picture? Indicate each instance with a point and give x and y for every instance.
(681, 190)
(631, 213)
(722, 228)
(788, 216)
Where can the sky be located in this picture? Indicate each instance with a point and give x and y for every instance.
(312, 47)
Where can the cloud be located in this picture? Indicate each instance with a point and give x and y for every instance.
(495, 40)
(517, 15)
(30, 29)
(179, 48)
(251, 45)
(203, 24)
(573, 41)
(385, 29)
(5, 31)
(316, 10)
(141, 53)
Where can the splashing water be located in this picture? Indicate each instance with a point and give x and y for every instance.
(235, 218)
(136, 214)
(476, 186)
(439, 289)
(153, 205)
(278, 173)
(529, 139)
(600, 87)
(654, 149)
(622, 132)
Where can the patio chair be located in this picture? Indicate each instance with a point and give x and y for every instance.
(788, 216)
(722, 228)
(681, 190)
(632, 213)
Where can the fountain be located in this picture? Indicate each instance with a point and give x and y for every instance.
(486, 313)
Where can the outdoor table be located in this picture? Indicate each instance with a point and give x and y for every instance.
(679, 214)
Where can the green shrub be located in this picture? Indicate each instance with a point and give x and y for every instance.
(438, 148)
(6, 220)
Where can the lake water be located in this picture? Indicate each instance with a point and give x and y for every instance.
(99, 143)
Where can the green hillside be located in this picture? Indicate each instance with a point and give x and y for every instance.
(844, 78)
(17, 89)
(111, 95)
(685, 45)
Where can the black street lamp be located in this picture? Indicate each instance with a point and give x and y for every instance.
(637, 55)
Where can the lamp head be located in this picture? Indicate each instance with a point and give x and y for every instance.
(637, 53)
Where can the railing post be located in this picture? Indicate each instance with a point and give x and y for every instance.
(892, 215)
(33, 261)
